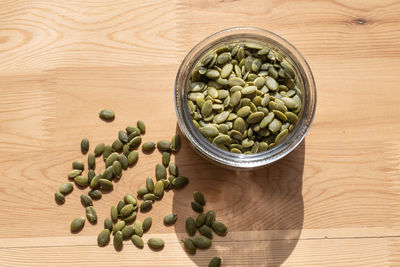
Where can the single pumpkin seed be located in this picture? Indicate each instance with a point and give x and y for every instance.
(118, 226)
(142, 191)
(166, 157)
(189, 245)
(118, 241)
(103, 238)
(209, 131)
(123, 137)
(81, 181)
(206, 231)
(172, 168)
(131, 217)
(77, 225)
(72, 174)
(137, 241)
(111, 158)
(164, 145)
(117, 169)
(66, 188)
(190, 226)
(123, 160)
(106, 152)
(120, 205)
(114, 213)
(280, 115)
(95, 194)
(135, 142)
(215, 262)
(94, 183)
(148, 146)
(149, 196)
(91, 214)
(146, 205)
(108, 173)
(78, 165)
(130, 199)
(161, 172)
(138, 228)
(86, 200)
(155, 243)
(255, 117)
(196, 206)
(210, 217)
(108, 224)
(180, 181)
(175, 143)
(159, 189)
(141, 126)
(117, 145)
(132, 129)
(202, 242)
(219, 228)
(147, 223)
(91, 175)
(127, 232)
(282, 135)
(107, 114)
(106, 184)
(170, 219)
(126, 211)
(275, 126)
(133, 157)
(91, 162)
(60, 199)
(200, 219)
(84, 145)
(199, 197)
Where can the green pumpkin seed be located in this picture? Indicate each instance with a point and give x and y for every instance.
(267, 120)
(123, 160)
(190, 226)
(91, 214)
(180, 181)
(210, 217)
(200, 219)
(141, 126)
(161, 172)
(226, 70)
(106, 184)
(166, 157)
(86, 200)
(72, 174)
(170, 219)
(132, 129)
(255, 117)
(135, 142)
(236, 81)
(137, 241)
(120, 205)
(131, 217)
(117, 145)
(147, 204)
(127, 232)
(108, 173)
(221, 139)
(107, 114)
(215, 262)
(84, 145)
(99, 149)
(175, 143)
(117, 169)
(290, 103)
(77, 225)
(133, 158)
(275, 126)
(91, 175)
(91, 162)
(166, 184)
(59, 198)
(206, 231)
(280, 115)
(138, 228)
(212, 74)
(142, 191)
(164, 145)
(281, 136)
(66, 188)
(199, 197)
(118, 241)
(155, 243)
(189, 246)
(111, 158)
(129, 199)
(107, 152)
(148, 146)
(159, 189)
(103, 238)
(207, 107)
(108, 224)
(172, 168)
(219, 228)
(197, 206)
(209, 131)
(94, 183)
(81, 181)
(202, 242)
(126, 210)
(114, 213)
(243, 111)
(123, 137)
(118, 226)
(147, 223)
(78, 165)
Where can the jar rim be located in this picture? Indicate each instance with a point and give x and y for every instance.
(226, 158)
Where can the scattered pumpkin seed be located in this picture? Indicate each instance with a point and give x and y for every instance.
(170, 219)
(127, 232)
(199, 197)
(148, 146)
(114, 213)
(108, 224)
(103, 238)
(166, 157)
(84, 145)
(146, 205)
(161, 172)
(215, 262)
(118, 241)
(202, 242)
(189, 246)
(190, 226)
(118, 226)
(86, 200)
(60, 199)
(107, 114)
(66, 188)
(197, 207)
(77, 225)
(155, 243)
(206, 231)
(81, 181)
(147, 223)
(91, 214)
(210, 217)
(137, 241)
(219, 228)
(180, 181)
(99, 149)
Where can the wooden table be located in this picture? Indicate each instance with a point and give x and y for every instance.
(333, 202)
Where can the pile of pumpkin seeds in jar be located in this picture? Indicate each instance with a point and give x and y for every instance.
(244, 97)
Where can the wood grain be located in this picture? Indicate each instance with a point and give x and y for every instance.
(334, 201)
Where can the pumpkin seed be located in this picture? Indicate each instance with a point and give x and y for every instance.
(106, 152)
(91, 175)
(108, 173)
(117, 145)
(84, 145)
(147, 223)
(180, 181)
(199, 197)
(131, 217)
(190, 226)
(142, 191)
(118, 239)
(133, 157)
(166, 157)
(196, 206)
(175, 143)
(148, 146)
(135, 142)
(126, 211)
(210, 217)
(206, 231)
(155, 243)
(147, 204)
(201, 242)
(114, 213)
(161, 172)
(117, 169)
(219, 228)
(137, 241)
(141, 126)
(216, 261)
(77, 225)
(60, 199)
(66, 188)
(118, 226)
(91, 214)
(103, 238)
(138, 228)
(201, 218)
(123, 160)
(163, 145)
(81, 181)
(108, 224)
(72, 174)
(120, 205)
(94, 183)
(78, 165)
(86, 200)
(172, 168)
(159, 189)
(170, 219)
(127, 232)
(106, 184)
(107, 114)
(111, 158)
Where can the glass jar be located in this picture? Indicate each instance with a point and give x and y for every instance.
(226, 158)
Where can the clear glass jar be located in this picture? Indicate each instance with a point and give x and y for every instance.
(226, 158)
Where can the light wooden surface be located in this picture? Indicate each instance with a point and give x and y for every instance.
(334, 201)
